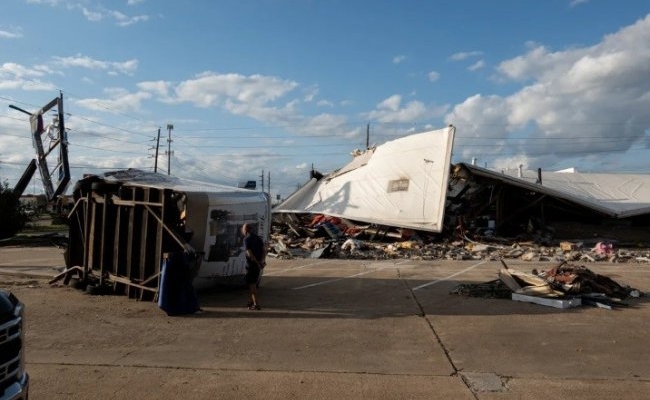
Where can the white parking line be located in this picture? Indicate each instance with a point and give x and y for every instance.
(294, 268)
(450, 276)
(349, 276)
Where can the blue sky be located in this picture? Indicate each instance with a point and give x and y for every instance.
(281, 85)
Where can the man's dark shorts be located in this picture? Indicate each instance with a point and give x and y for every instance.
(252, 275)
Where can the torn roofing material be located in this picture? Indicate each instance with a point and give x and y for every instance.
(401, 183)
(616, 195)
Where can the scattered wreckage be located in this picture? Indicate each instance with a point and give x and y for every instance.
(564, 285)
(320, 236)
(401, 199)
(481, 215)
(404, 198)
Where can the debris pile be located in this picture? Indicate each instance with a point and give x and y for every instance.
(323, 236)
(563, 286)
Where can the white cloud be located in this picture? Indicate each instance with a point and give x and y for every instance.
(93, 16)
(98, 13)
(477, 65)
(433, 76)
(81, 61)
(391, 110)
(47, 2)
(254, 96)
(399, 59)
(210, 89)
(310, 93)
(263, 98)
(10, 35)
(124, 20)
(126, 67)
(598, 96)
(323, 124)
(17, 71)
(120, 100)
(16, 76)
(463, 55)
(160, 89)
(391, 103)
(575, 3)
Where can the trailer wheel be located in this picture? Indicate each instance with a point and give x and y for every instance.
(94, 290)
(77, 283)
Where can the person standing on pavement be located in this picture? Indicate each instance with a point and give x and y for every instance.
(255, 262)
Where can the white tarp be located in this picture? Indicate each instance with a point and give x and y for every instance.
(402, 183)
(616, 195)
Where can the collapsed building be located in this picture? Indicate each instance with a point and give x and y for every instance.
(544, 206)
(407, 188)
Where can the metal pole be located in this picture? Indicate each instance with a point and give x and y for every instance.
(367, 136)
(262, 180)
(155, 165)
(169, 148)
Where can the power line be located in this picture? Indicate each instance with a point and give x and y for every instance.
(121, 151)
(110, 126)
(105, 107)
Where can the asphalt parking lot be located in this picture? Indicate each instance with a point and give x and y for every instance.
(332, 329)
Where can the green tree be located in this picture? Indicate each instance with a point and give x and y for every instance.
(13, 219)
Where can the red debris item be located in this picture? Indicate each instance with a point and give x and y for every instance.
(573, 279)
(603, 249)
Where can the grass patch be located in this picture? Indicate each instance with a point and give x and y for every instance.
(45, 224)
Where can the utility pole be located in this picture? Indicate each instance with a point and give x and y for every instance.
(155, 165)
(262, 179)
(368, 136)
(268, 187)
(169, 148)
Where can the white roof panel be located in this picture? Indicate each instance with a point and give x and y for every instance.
(401, 183)
(617, 195)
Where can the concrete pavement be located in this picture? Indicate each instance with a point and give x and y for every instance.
(333, 329)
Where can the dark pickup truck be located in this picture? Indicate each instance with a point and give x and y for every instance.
(14, 380)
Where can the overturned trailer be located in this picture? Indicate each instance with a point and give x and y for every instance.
(126, 224)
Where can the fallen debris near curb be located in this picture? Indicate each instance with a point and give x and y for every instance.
(301, 237)
(563, 286)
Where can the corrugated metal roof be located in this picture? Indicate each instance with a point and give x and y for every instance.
(616, 195)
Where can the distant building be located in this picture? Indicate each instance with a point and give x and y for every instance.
(33, 202)
(252, 185)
